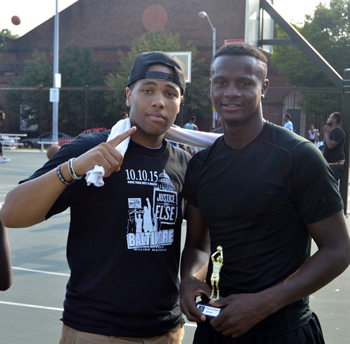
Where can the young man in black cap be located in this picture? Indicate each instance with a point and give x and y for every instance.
(124, 238)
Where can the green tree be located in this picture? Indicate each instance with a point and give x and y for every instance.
(6, 34)
(37, 72)
(75, 65)
(328, 30)
(77, 70)
(161, 41)
(30, 99)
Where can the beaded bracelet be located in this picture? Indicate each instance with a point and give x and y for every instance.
(58, 170)
(71, 170)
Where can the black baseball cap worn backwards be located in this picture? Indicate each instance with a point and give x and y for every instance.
(144, 60)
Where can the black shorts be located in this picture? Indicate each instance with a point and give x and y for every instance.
(311, 333)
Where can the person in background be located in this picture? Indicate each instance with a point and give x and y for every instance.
(255, 194)
(191, 124)
(124, 115)
(334, 144)
(314, 135)
(219, 129)
(2, 158)
(52, 150)
(287, 123)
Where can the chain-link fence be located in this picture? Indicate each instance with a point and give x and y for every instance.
(305, 105)
(29, 110)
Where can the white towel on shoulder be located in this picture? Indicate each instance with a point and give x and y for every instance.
(189, 137)
(193, 138)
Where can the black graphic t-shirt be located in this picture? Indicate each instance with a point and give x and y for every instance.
(124, 242)
(257, 202)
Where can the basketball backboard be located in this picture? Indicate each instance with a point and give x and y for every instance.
(258, 25)
(186, 58)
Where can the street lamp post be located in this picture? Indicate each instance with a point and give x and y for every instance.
(203, 14)
(56, 81)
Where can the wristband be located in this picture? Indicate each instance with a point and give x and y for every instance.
(58, 170)
(71, 170)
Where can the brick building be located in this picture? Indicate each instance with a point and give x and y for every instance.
(109, 26)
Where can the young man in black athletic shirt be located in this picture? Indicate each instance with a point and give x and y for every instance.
(254, 193)
(124, 238)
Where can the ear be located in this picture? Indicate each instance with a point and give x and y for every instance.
(128, 93)
(265, 87)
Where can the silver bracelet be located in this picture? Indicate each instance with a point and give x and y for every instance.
(58, 170)
(71, 170)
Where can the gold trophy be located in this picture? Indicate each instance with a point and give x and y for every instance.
(215, 276)
(208, 310)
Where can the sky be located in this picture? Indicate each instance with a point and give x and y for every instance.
(34, 12)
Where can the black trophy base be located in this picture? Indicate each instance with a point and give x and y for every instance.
(208, 310)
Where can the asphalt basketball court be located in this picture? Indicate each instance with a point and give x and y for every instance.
(31, 309)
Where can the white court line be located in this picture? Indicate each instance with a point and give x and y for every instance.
(30, 306)
(52, 308)
(41, 272)
(57, 309)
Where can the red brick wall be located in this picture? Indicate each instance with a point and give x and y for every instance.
(112, 25)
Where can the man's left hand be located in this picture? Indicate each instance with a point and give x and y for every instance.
(241, 313)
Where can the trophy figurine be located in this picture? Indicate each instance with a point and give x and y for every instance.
(215, 276)
(217, 259)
